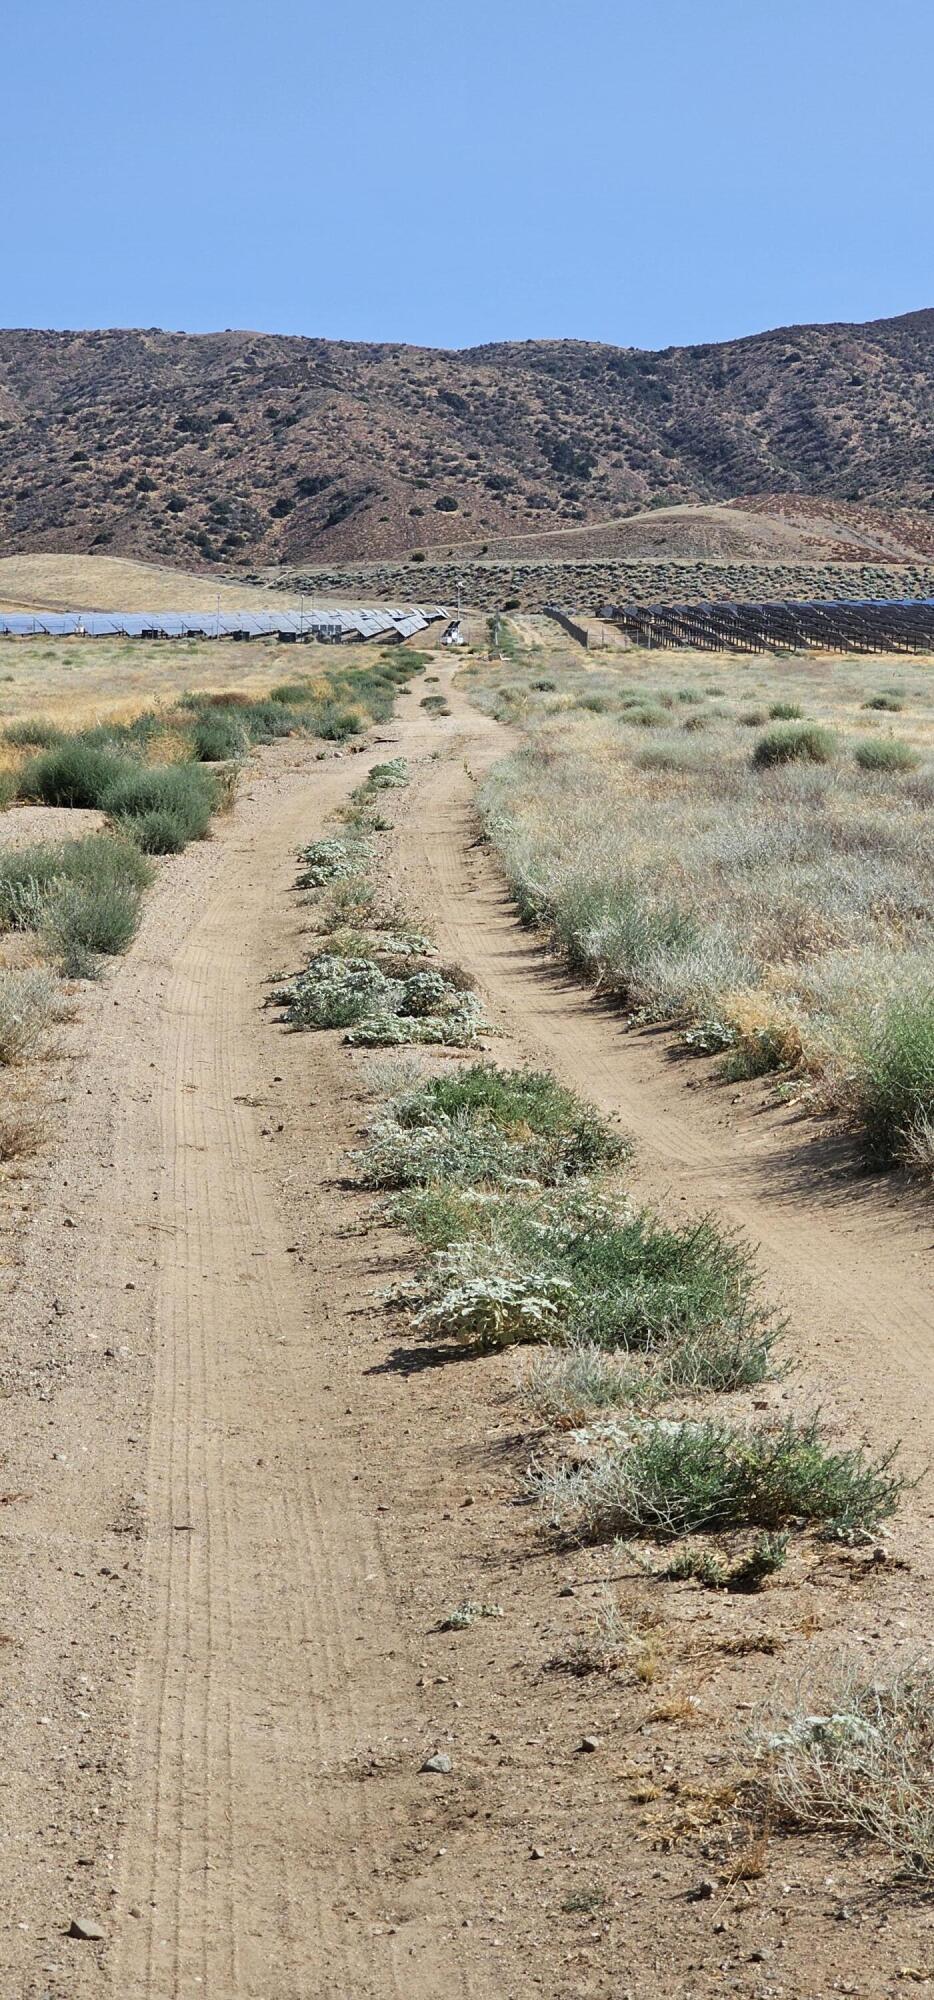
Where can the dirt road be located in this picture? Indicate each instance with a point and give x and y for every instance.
(265, 1632)
(233, 1524)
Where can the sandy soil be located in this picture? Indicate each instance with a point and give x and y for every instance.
(238, 1504)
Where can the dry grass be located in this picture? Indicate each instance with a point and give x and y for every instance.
(860, 1763)
(80, 682)
(118, 583)
(785, 909)
(30, 1004)
(23, 1130)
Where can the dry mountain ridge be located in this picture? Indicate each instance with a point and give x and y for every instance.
(241, 448)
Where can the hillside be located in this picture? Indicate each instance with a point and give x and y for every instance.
(241, 448)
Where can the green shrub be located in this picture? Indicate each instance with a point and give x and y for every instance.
(672, 1479)
(889, 704)
(640, 1283)
(519, 1103)
(28, 874)
(33, 733)
(886, 755)
(72, 774)
(292, 693)
(593, 704)
(895, 1082)
(185, 792)
(82, 921)
(644, 715)
(624, 1281)
(334, 722)
(785, 711)
(218, 735)
(266, 721)
(806, 743)
(157, 830)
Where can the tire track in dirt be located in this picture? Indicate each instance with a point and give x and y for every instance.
(252, 1846)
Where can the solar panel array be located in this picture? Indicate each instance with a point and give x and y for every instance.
(865, 625)
(312, 624)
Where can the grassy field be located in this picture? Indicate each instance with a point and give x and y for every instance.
(742, 846)
(76, 681)
(118, 583)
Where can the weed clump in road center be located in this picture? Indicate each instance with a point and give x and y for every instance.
(377, 1008)
(668, 1479)
(524, 1105)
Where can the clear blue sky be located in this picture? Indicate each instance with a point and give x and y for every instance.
(647, 172)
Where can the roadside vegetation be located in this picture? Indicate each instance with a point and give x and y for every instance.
(662, 1425)
(516, 1195)
(158, 777)
(761, 876)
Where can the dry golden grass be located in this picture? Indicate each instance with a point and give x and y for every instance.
(75, 683)
(23, 1131)
(780, 913)
(118, 583)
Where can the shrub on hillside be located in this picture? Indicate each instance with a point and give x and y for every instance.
(33, 733)
(28, 874)
(82, 921)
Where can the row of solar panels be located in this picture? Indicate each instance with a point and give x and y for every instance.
(219, 624)
(805, 604)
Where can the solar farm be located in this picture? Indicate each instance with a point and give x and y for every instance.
(866, 625)
(327, 626)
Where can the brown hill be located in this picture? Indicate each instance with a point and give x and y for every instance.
(241, 448)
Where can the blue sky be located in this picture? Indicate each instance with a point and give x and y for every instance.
(647, 172)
